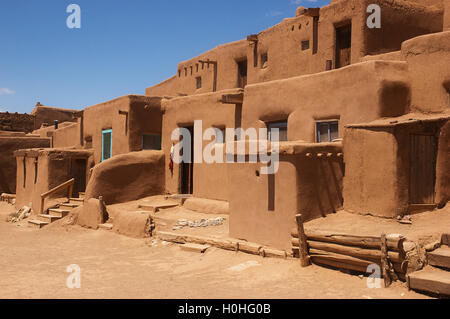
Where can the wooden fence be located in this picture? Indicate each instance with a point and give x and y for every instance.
(350, 252)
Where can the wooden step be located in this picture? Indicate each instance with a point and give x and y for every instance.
(440, 257)
(431, 280)
(48, 218)
(58, 212)
(37, 223)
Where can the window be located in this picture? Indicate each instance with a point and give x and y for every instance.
(106, 144)
(282, 131)
(264, 60)
(198, 82)
(151, 142)
(327, 131)
(305, 45)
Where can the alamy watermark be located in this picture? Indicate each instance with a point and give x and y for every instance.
(73, 281)
(259, 148)
(74, 19)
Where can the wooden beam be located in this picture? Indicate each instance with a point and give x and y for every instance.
(235, 98)
(303, 247)
(252, 38)
(385, 267)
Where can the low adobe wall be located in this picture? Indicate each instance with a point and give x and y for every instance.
(16, 122)
(358, 93)
(263, 207)
(8, 145)
(46, 114)
(428, 59)
(128, 177)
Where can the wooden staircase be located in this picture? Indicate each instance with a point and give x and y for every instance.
(435, 278)
(57, 212)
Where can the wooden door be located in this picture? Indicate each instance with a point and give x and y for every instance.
(78, 172)
(422, 169)
(343, 46)
(242, 73)
(187, 169)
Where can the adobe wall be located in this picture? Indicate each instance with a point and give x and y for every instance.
(370, 183)
(184, 82)
(128, 177)
(282, 43)
(53, 169)
(401, 20)
(8, 145)
(379, 185)
(16, 122)
(263, 208)
(209, 179)
(46, 114)
(68, 136)
(358, 93)
(428, 59)
(447, 16)
(126, 135)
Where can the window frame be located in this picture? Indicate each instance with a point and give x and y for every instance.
(103, 143)
(329, 123)
(277, 124)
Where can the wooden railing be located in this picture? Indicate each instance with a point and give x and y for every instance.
(68, 185)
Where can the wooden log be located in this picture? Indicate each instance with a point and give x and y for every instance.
(385, 267)
(303, 247)
(342, 258)
(394, 242)
(371, 254)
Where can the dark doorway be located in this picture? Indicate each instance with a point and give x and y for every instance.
(343, 45)
(422, 169)
(242, 73)
(78, 172)
(187, 169)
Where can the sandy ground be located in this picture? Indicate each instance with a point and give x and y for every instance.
(33, 264)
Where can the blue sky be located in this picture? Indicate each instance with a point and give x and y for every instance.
(122, 46)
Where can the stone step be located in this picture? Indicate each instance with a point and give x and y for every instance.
(156, 207)
(37, 223)
(58, 212)
(431, 280)
(69, 206)
(194, 247)
(440, 257)
(48, 218)
(106, 226)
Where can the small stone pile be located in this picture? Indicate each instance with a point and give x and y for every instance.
(181, 223)
(21, 214)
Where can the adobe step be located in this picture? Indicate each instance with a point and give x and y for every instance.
(431, 280)
(76, 200)
(106, 226)
(440, 257)
(48, 218)
(156, 207)
(58, 212)
(37, 223)
(69, 206)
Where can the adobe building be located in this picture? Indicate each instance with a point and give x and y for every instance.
(362, 112)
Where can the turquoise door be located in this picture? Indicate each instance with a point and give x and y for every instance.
(106, 144)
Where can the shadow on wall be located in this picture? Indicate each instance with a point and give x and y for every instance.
(319, 183)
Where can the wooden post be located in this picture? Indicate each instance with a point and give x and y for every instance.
(303, 246)
(385, 262)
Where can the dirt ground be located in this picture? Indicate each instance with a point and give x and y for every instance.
(33, 264)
